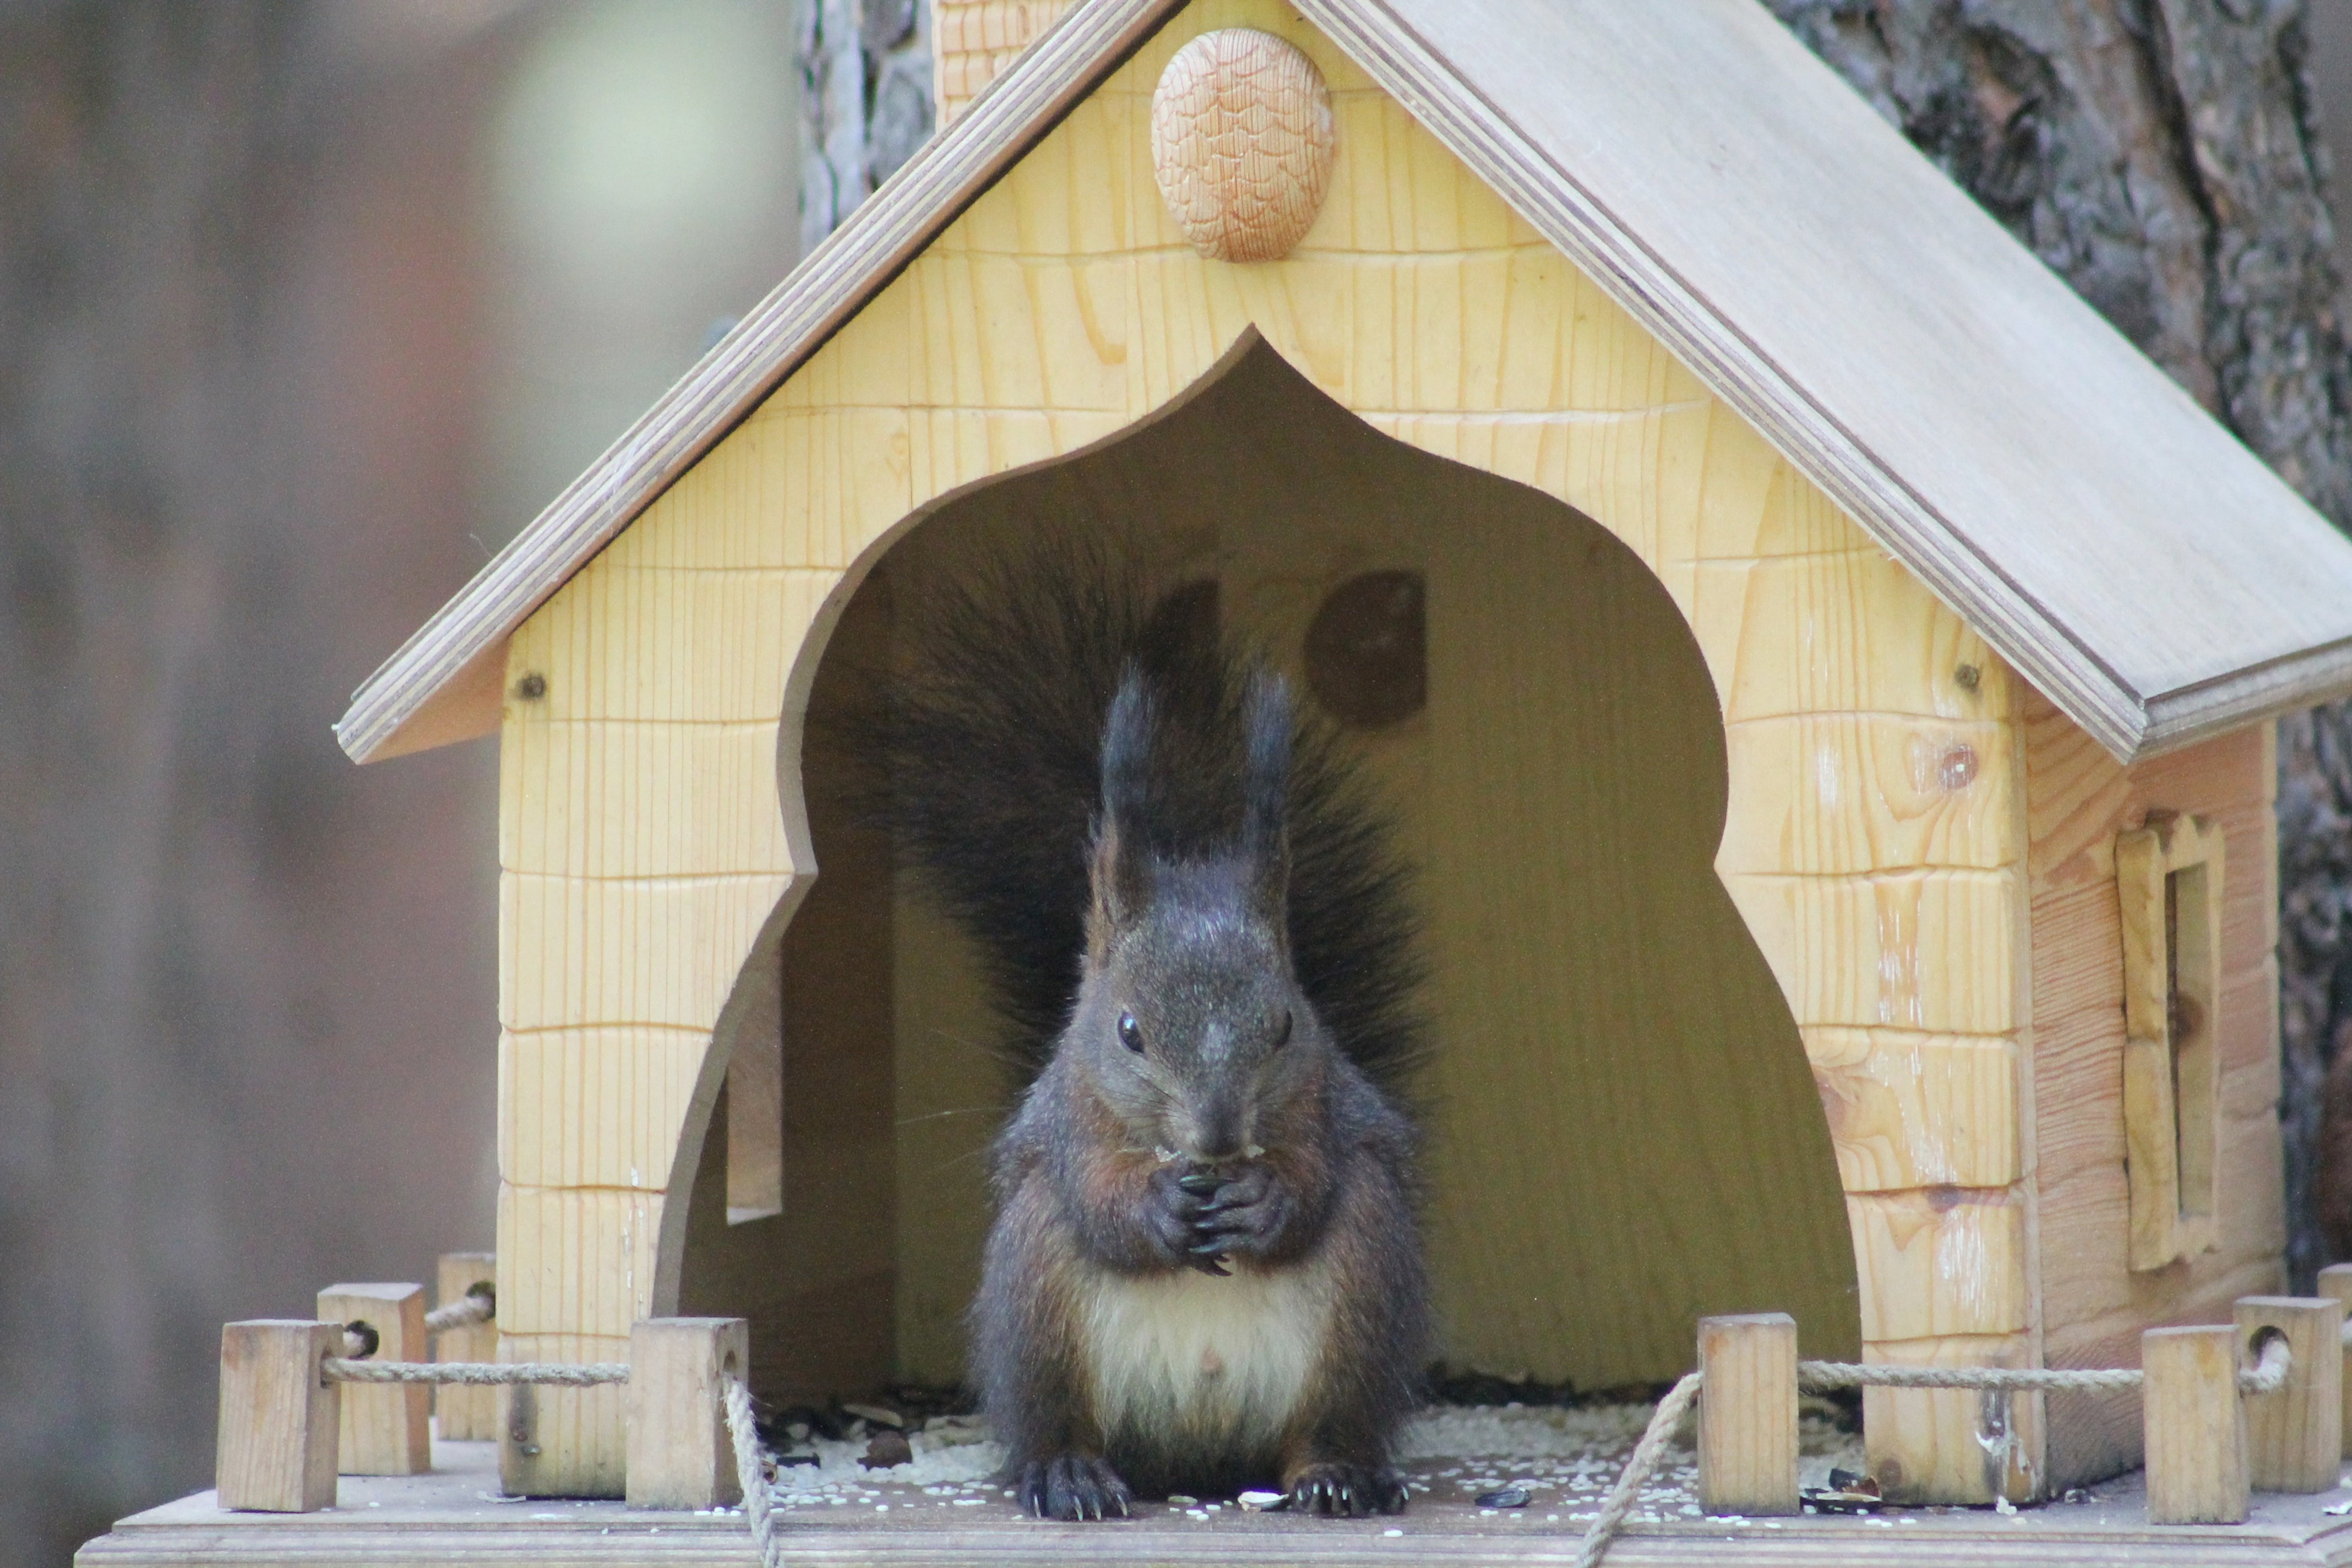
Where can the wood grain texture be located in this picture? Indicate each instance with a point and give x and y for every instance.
(1241, 143)
(1897, 786)
(1566, 118)
(680, 1454)
(1570, 115)
(2336, 1282)
(465, 1415)
(430, 1521)
(574, 1260)
(563, 1442)
(1953, 1445)
(2295, 1437)
(279, 1420)
(1747, 1414)
(2169, 880)
(1934, 951)
(2094, 1306)
(2195, 1425)
(1942, 1261)
(1909, 1110)
(972, 40)
(385, 1426)
(595, 1105)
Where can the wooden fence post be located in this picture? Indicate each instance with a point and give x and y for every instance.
(1747, 1414)
(2294, 1438)
(2336, 1282)
(278, 1417)
(2194, 1424)
(384, 1425)
(462, 1414)
(680, 1455)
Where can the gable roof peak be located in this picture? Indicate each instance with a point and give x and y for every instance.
(2107, 536)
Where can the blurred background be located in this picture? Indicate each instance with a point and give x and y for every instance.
(306, 308)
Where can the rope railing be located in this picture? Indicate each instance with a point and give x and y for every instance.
(2272, 1371)
(1619, 1503)
(474, 1373)
(752, 1472)
(479, 1305)
(2267, 1375)
(751, 1457)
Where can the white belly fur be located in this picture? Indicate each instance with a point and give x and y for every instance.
(1188, 1355)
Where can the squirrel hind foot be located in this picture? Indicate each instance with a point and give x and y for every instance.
(1340, 1490)
(1072, 1488)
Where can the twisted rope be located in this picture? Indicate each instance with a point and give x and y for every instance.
(2267, 1375)
(742, 1427)
(752, 1472)
(563, 1374)
(1644, 1459)
(479, 1305)
(1819, 1376)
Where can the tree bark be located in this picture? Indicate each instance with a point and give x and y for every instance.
(243, 987)
(2162, 157)
(865, 97)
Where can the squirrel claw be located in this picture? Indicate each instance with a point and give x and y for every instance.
(1072, 1488)
(1201, 1183)
(1345, 1491)
(1210, 1260)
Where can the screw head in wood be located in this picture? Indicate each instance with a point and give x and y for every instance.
(1241, 143)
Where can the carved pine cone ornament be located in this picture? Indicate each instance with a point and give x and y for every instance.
(1241, 143)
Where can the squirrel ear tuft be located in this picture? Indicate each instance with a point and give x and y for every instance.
(1122, 845)
(1266, 725)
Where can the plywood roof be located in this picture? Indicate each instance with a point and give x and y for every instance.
(2113, 542)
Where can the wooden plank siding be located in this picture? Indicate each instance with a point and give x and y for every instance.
(972, 40)
(2093, 1305)
(1876, 845)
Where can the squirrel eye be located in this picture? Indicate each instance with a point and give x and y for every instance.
(1282, 1030)
(1131, 1034)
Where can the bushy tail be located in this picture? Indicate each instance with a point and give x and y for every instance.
(984, 755)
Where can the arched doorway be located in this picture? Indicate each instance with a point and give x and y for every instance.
(1622, 1130)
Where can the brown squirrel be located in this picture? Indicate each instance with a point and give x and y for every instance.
(1205, 1271)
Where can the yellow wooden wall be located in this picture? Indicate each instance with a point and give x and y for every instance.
(972, 40)
(1875, 837)
(2093, 1305)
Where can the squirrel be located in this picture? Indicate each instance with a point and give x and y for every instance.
(1206, 1270)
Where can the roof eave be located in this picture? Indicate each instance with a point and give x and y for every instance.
(1010, 115)
(442, 685)
(2050, 656)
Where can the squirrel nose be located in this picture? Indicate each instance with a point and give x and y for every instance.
(1217, 1130)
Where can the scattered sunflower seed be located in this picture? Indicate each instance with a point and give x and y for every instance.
(1504, 1497)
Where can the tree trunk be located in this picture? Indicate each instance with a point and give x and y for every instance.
(244, 986)
(866, 98)
(2162, 157)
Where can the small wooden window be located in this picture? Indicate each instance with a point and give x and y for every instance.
(2169, 879)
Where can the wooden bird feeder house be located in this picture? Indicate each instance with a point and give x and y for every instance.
(1824, 672)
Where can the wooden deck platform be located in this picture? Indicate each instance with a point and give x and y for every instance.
(454, 1516)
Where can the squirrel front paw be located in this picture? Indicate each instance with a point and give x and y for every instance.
(1071, 1487)
(1178, 1197)
(1243, 1215)
(1343, 1491)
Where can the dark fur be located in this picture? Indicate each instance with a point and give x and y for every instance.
(1194, 920)
(989, 741)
